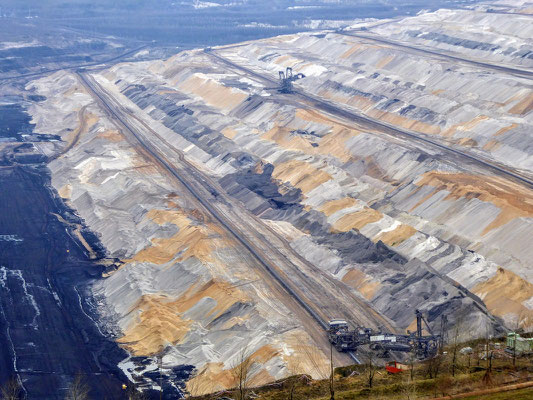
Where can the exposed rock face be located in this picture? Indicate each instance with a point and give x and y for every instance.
(403, 224)
(183, 281)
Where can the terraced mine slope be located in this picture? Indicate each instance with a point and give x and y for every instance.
(397, 176)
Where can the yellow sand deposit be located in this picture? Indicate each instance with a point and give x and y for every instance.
(506, 129)
(65, 191)
(194, 239)
(213, 92)
(304, 356)
(158, 324)
(300, 355)
(491, 145)
(524, 106)
(317, 116)
(333, 143)
(332, 206)
(396, 236)
(284, 138)
(513, 199)
(159, 319)
(384, 61)
(465, 126)
(356, 220)
(504, 294)
(374, 170)
(111, 136)
(404, 122)
(360, 102)
(229, 132)
(352, 50)
(213, 377)
(300, 174)
(467, 142)
(362, 282)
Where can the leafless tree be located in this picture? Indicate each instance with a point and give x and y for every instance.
(370, 368)
(78, 389)
(487, 377)
(408, 390)
(319, 367)
(331, 374)
(517, 324)
(11, 390)
(292, 383)
(455, 347)
(241, 371)
(132, 393)
(433, 366)
(443, 384)
(469, 354)
(412, 358)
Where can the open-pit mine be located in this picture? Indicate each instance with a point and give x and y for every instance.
(393, 173)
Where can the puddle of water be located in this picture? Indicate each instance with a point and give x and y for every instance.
(15, 122)
(10, 238)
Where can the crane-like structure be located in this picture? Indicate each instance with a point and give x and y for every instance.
(424, 346)
(286, 78)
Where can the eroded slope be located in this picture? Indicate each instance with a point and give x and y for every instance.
(183, 286)
(398, 223)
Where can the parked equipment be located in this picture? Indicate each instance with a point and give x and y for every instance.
(424, 346)
(518, 345)
(394, 367)
(286, 78)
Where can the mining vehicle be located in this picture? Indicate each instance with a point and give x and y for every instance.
(286, 78)
(424, 346)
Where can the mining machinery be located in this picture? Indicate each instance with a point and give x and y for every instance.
(286, 78)
(424, 346)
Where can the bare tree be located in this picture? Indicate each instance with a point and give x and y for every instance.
(455, 348)
(408, 390)
(332, 374)
(370, 368)
(132, 393)
(290, 384)
(11, 390)
(412, 358)
(319, 367)
(443, 384)
(78, 389)
(241, 371)
(487, 377)
(433, 366)
(516, 326)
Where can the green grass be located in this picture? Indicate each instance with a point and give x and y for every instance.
(521, 394)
